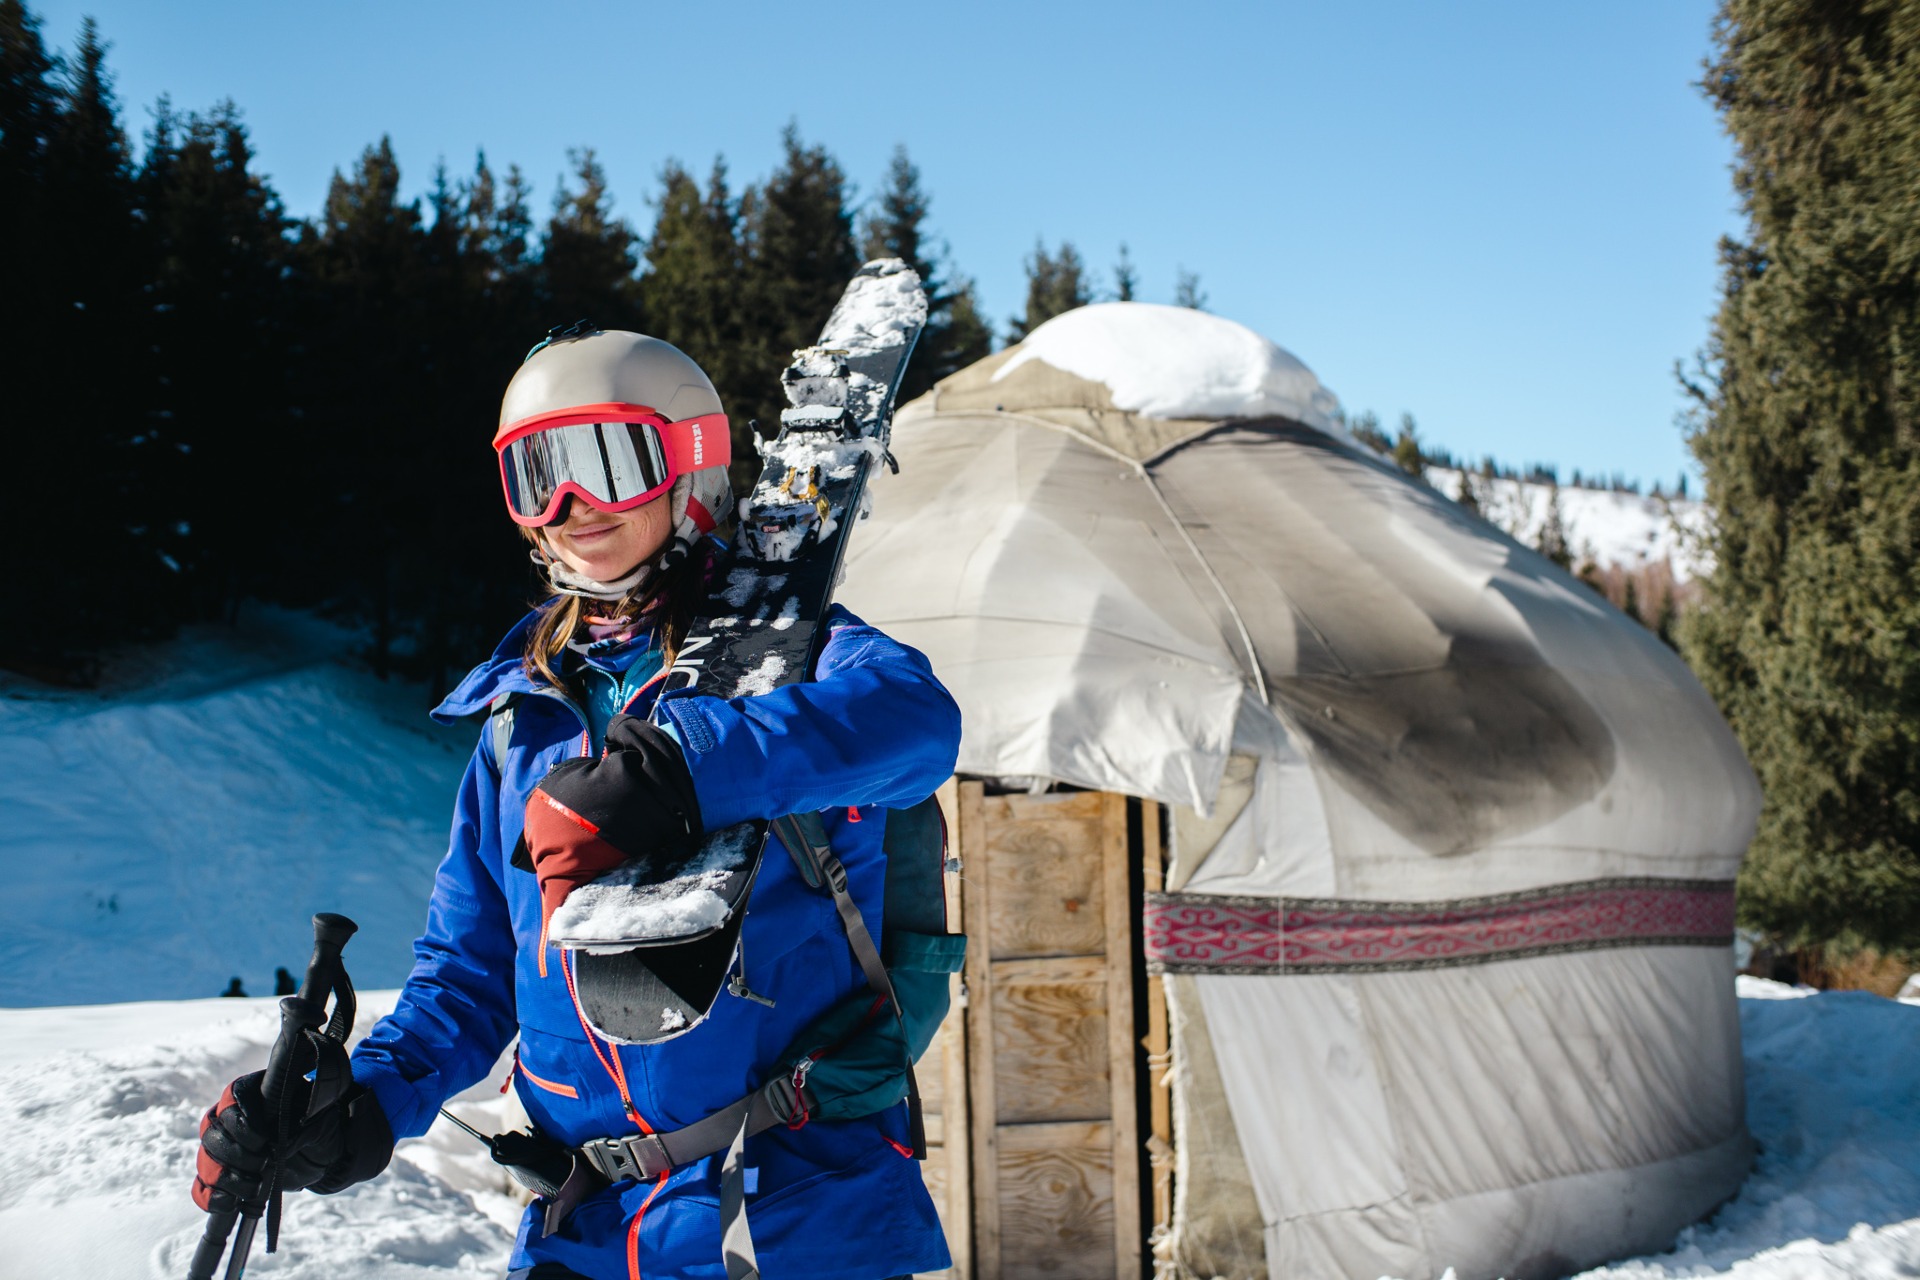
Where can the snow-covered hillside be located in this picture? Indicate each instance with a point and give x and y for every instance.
(1607, 528)
(100, 1106)
(179, 827)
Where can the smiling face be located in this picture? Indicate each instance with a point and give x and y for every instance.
(608, 545)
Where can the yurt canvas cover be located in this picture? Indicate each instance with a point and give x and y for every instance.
(1446, 930)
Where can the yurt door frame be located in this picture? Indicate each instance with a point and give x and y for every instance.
(1051, 1132)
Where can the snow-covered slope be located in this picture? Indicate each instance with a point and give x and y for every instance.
(1602, 526)
(101, 1106)
(180, 827)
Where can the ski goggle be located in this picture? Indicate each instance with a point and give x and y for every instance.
(611, 456)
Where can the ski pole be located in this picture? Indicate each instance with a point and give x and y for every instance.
(299, 1014)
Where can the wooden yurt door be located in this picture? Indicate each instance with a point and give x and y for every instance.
(1032, 1089)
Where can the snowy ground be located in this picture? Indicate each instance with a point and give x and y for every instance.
(1833, 1099)
(178, 827)
(100, 1106)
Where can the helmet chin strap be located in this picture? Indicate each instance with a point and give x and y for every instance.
(567, 582)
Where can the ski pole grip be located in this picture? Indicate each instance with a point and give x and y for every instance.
(297, 1016)
(330, 934)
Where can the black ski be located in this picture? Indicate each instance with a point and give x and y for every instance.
(761, 628)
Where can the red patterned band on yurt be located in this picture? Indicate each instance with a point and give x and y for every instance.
(1201, 933)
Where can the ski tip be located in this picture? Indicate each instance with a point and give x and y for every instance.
(887, 267)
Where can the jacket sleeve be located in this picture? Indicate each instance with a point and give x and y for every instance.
(874, 727)
(456, 1014)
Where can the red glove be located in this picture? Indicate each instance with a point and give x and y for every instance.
(588, 817)
(345, 1142)
(566, 849)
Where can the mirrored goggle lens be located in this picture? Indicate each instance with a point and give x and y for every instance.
(613, 462)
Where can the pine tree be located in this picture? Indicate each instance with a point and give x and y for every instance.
(969, 334)
(367, 258)
(1126, 280)
(956, 334)
(799, 235)
(588, 258)
(221, 331)
(1407, 454)
(894, 230)
(29, 109)
(82, 270)
(1365, 427)
(1551, 541)
(1468, 494)
(692, 293)
(35, 319)
(1187, 291)
(1807, 437)
(799, 253)
(1056, 284)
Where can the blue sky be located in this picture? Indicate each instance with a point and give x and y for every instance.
(1499, 216)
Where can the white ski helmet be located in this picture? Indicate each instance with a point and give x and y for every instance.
(602, 384)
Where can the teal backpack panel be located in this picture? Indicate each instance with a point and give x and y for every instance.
(860, 1054)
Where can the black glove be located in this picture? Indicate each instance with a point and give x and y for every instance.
(346, 1142)
(588, 816)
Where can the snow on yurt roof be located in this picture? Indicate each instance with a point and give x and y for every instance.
(1176, 362)
(1139, 378)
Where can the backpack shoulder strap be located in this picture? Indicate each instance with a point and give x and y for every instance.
(500, 720)
(806, 839)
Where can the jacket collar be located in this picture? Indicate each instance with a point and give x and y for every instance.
(504, 672)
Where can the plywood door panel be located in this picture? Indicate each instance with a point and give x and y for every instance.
(1046, 1043)
(1050, 1040)
(1056, 1213)
(1044, 853)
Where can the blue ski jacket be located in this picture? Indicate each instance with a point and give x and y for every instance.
(874, 729)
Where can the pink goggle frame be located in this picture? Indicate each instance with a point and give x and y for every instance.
(611, 456)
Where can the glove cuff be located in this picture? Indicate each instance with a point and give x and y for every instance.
(368, 1139)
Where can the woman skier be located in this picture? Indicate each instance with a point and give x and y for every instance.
(607, 446)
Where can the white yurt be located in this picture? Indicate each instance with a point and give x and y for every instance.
(1441, 910)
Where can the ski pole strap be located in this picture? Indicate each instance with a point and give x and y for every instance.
(647, 1155)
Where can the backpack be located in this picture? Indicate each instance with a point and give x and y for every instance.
(855, 1059)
